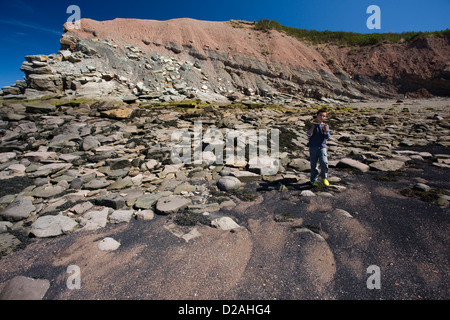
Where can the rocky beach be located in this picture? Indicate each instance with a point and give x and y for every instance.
(88, 180)
(75, 174)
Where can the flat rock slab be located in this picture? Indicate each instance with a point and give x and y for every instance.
(51, 226)
(171, 204)
(353, 164)
(147, 201)
(97, 184)
(40, 156)
(23, 288)
(8, 243)
(181, 233)
(18, 209)
(245, 176)
(387, 165)
(119, 163)
(120, 216)
(300, 164)
(264, 165)
(43, 108)
(49, 169)
(48, 191)
(82, 207)
(7, 156)
(95, 219)
(225, 223)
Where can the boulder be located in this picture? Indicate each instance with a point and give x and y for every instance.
(46, 82)
(112, 201)
(145, 215)
(227, 183)
(108, 244)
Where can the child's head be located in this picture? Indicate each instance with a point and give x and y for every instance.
(321, 115)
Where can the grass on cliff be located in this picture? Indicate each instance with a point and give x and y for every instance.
(346, 38)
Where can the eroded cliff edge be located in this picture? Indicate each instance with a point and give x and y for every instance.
(174, 60)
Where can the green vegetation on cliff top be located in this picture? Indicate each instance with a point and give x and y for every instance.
(346, 38)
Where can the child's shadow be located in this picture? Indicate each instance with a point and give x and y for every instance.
(281, 184)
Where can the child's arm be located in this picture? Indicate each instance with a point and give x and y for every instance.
(326, 131)
(311, 129)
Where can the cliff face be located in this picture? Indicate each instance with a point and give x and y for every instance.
(416, 67)
(222, 61)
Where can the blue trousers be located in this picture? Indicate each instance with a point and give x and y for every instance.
(318, 155)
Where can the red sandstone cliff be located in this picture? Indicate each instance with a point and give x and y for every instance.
(191, 58)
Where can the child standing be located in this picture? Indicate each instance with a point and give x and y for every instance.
(318, 133)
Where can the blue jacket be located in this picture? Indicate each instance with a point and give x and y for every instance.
(319, 137)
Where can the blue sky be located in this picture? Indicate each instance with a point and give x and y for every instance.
(35, 27)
